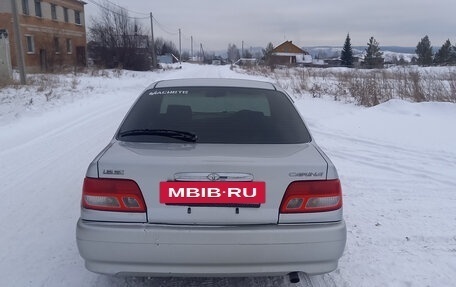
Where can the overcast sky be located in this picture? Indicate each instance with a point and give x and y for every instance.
(216, 23)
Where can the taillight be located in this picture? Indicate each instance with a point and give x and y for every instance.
(312, 196)
(107, 194)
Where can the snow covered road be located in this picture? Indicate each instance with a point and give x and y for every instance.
(397, 162)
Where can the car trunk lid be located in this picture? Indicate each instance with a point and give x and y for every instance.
(150, 164)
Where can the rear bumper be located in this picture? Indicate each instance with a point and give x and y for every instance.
(166, 250)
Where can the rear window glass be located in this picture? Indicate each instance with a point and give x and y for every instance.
(217, 115)
(230, 102)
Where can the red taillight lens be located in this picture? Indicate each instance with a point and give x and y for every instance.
(312, 196)
(107, 194)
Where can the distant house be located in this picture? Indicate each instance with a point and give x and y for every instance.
(167, 59)
(53, 32)
(337, 62)
(333, 62)
(290, 55)
(378, 63)
(246, 62)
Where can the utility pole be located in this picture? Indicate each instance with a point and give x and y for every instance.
(191, 38)
(242, 50)
(180, 48)
(18, 38)
(202, 51)
(154, 57)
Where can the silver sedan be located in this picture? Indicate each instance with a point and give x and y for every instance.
(211, 177)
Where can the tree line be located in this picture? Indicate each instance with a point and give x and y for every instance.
(117, 40)
(445, 56)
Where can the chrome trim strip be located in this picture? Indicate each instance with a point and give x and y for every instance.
(213, 176)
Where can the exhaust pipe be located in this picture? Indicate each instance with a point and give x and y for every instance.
(294, 277)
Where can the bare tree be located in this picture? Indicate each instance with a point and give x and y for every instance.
(116, 40)
(267, 53)
(163, 47)
(233, 53)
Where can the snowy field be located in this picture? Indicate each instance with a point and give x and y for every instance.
(397, 163)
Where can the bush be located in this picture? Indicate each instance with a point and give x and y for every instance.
(366, 87)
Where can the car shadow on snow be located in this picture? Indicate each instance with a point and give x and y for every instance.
(113, 281)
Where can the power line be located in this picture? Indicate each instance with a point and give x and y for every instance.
(164, 29)
(115, 12)
(161, 26)
(140, 13)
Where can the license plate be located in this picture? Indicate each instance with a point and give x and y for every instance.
(191, 192)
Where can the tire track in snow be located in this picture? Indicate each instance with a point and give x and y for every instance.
(42, 193)
(71, 123)
(428, 165)
(393, 200)
(54, 133)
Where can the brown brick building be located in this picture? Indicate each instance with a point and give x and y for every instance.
(53, 32)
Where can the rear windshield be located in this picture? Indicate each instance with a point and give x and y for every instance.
(216, 115)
